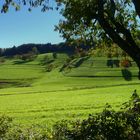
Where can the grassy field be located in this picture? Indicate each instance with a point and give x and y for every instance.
(31, 95)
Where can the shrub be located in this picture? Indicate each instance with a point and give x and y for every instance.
(28, 57)
(109, 55)
(49, 67)
(107, 125)
(54, 55)
(5, 124)
(31, 133)
(47, 60)
(2, 60)
(126, 63)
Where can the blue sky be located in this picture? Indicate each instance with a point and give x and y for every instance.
(23, 27)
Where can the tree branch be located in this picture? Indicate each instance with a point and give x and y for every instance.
(121, 29)
(127, 47)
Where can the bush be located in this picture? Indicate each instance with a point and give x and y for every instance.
(49, 67)
(19, 133)
(126, 63)
(108, 125)
(54, 55)
(47, 60)
(28, 57)
(5, 124)
(2, 60)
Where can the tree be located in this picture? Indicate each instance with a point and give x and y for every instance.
(17, 4)
(88, 20)
(110, 20)
(35, 51)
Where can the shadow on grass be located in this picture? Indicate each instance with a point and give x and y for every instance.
(18, 62)
(72, 89)
(127, 75)
(43, 62)
(13, 83)
(92, 76)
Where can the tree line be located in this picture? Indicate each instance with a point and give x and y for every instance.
(40, 49)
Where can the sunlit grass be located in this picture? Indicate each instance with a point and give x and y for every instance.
(48, 97)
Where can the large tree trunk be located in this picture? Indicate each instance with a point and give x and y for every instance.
(137, 6)
(127, 44)
(132, 50)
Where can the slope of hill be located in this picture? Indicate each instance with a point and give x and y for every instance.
(32, 95)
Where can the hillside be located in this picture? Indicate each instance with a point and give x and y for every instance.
(32, 95)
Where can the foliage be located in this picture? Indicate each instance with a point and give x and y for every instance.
(103, 50)
(28, 57)
(52, 96)
(16, 4)
(47, 60)
(84, 22)
(94, 21)
(102, 21)
(8, 131)
(49, 67)
(125, 63)
(24, 133)
(54, 55)
(79, 52)
(5, 124)
(2, 60)
(109, 124)
(36, 49)
(50, 61)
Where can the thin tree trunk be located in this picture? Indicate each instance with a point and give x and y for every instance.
(139, 74)
(138, 64)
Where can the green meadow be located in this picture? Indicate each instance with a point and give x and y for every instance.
(31, 95)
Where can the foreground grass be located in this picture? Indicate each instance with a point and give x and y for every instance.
(49, 107)
(50, 97)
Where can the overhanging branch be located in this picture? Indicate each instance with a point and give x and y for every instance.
(127, 47)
